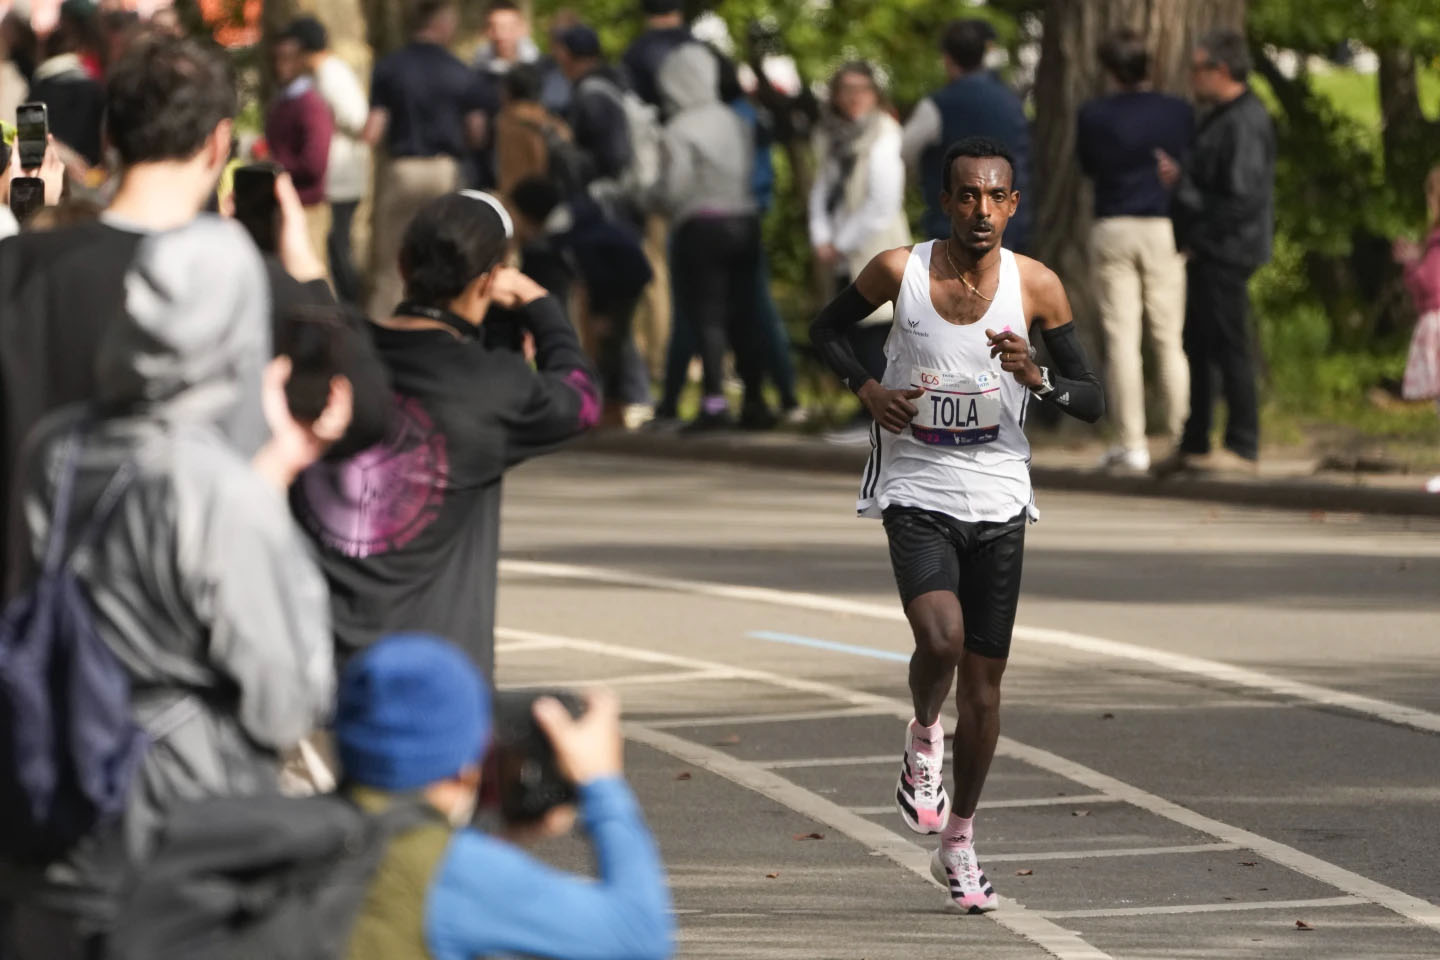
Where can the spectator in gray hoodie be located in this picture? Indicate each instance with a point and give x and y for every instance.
(201, 583)
(707, 156)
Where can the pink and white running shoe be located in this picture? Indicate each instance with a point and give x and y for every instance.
(920, 795)
(956, 869)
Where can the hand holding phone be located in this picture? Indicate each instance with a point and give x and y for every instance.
(28, 188)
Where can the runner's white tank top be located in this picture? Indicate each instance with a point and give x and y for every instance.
(965, 454)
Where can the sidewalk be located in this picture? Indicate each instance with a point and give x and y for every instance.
(1291, 482)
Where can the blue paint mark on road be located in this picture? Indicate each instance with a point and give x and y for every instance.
(829, 645)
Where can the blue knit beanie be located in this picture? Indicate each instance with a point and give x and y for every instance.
(413, 711)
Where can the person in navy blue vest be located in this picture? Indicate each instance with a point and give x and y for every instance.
(1139, 275)
(974, 103)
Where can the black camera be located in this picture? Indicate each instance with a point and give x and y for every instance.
(521, 771)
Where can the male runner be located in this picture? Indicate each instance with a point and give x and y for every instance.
(953, 482)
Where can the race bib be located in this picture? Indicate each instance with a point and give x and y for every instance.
(957, 409)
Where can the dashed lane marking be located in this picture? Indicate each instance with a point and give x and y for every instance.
(1006, 804)
(742, 719)
(628, 680)
(1212, 670)
(1397, 901)
(806, 762)
(1111, 852)
(1226, 907)
(1045, 933)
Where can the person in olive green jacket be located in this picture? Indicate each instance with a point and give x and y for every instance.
(414, 717)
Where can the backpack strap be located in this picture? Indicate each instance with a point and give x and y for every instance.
(55, 552)
(105, 506)
(64, 495)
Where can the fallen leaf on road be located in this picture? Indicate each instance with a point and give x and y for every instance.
(809, 836)
(1024, 873)
(684, 775)
(1079, 813)
(1302, 925)
(729, 741)
(772, 876)
(1247, 863)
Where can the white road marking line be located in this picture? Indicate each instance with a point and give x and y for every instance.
(741, 719)
(1178, 663)
(1053, 938)
(1110, 852)
(627, 680)
(1318, 902)
(826, 762)
(1397, 901)
(1007, 804)
(855, 698)
(524, 646)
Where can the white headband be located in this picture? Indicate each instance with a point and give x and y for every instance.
(495, 205)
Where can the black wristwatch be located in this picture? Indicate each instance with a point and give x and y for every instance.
(1046, 387)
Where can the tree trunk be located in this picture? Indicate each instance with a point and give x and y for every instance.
(1069, 74)
(1410, 138)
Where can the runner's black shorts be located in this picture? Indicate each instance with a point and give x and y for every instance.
(978, 561)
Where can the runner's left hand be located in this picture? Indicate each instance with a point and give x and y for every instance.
(1015, 357)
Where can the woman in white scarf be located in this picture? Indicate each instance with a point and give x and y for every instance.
(857, 204)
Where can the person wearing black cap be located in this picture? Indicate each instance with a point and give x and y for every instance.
(597, 111)
(665, 29)
(409, 529)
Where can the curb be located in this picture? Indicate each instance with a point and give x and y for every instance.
(792, 453)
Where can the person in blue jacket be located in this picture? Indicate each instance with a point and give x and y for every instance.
(414, 719)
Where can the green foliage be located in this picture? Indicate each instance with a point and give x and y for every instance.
(1330, 312)
(900, 36)
(1332, 315)
(1317, 26)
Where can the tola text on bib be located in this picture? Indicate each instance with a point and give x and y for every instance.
(957, 409)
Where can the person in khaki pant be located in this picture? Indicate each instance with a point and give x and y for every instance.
(426, 111)
(1140, 277)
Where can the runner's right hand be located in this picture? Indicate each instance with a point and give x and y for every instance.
(891, 409)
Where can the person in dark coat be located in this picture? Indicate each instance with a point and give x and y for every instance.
(1224, 213)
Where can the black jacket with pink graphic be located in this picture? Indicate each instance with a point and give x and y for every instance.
(409, 529)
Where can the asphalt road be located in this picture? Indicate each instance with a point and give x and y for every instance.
(1218, 722)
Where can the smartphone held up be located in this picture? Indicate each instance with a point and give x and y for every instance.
(32, 129)
(27, 195)
(256, 206)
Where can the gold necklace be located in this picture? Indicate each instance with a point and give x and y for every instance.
(951, 257)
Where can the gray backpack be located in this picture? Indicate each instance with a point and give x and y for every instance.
(632, 189)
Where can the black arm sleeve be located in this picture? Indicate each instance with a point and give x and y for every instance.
(829, 333)
(1077, 388)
